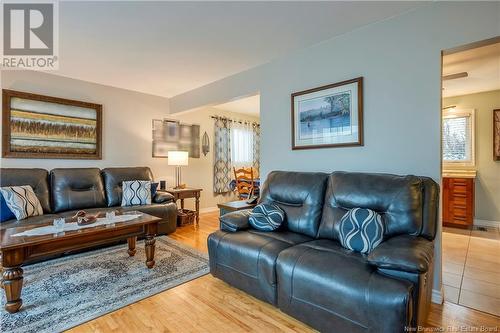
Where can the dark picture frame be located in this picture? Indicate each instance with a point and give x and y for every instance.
(39, 125)
(496, 135)
(329, 116)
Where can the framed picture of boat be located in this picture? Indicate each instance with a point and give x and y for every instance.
(38, 126)
(328, 116)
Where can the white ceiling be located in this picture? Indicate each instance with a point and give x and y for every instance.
(166, 48)
(483, 66)
(247, 105)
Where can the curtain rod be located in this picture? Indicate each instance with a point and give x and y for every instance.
(236, 121)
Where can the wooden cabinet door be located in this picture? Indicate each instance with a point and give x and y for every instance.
(458, 201)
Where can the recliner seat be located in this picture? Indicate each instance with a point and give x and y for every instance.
(64, 191)
(247, 260)
(315, 279)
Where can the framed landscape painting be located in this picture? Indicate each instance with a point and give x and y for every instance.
(328, 116)
(37, 126)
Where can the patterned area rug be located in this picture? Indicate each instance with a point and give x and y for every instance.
(65, 292)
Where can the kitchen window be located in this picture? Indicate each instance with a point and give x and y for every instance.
(458, 138)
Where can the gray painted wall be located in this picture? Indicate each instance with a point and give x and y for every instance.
(400, 60)
(487, 189)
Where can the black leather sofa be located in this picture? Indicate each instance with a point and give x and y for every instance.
(64, 191)
(303, 269)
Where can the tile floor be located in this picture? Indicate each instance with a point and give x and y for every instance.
(471, 268)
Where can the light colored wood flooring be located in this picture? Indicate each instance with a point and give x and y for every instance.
(471, 268)
(207, 304)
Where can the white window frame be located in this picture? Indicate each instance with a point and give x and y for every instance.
(242, 163)
(459, 113)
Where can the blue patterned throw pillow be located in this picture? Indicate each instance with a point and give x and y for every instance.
(22, 201)
(266, 217)
(136, 192)
(361, 230)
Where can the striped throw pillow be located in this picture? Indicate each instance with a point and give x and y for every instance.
(22, 201)
(361, 230)
(136, 192)
(266, 217)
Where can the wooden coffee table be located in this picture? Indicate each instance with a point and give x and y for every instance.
(18, 249)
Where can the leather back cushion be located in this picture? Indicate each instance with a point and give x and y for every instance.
(300, 195)
(431, 208)
(113, 178)
(398, 199)
(38, 179)
(76, 188)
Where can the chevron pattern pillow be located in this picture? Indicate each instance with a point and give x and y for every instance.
(22, 201)
(266, 217)
(136, 192)
(361, 230)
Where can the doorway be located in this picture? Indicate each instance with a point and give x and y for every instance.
(471, 176)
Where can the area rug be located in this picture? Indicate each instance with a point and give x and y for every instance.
(65, 292)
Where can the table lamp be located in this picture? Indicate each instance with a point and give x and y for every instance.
(178, 159)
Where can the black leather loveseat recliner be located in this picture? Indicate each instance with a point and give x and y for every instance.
(64, 191)
(302, 268)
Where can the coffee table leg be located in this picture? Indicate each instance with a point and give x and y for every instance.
(131, 246)
(150, 250)
(12, 282)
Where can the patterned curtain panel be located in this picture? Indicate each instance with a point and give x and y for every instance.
(222, 158)
(256, 147)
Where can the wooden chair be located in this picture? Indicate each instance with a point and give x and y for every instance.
(244, 182)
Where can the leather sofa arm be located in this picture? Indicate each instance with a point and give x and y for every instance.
(403, 253)
(235, 221)
(163, 197)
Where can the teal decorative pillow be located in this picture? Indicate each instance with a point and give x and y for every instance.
(136, 192)
(266, 217)
(22, 201)
(361, 230)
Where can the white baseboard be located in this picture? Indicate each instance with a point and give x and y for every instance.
(487, 223)
(437, 296)
(209, 209)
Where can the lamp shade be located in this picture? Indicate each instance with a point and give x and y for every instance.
(177, 158)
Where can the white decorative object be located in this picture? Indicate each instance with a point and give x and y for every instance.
(59, 224)
(178, 159)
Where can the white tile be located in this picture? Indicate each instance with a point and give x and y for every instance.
(453, 280)
(480, 302)
(451, 294)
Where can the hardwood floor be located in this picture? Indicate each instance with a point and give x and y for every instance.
(210, 305)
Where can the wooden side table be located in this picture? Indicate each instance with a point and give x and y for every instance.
(186, 193)
(232, 206)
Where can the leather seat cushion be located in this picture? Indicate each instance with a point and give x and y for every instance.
(114, 177)
(326, 285)
(398, 199)
(38, 179)
(300, 195)
(76, 188)
(247, 259)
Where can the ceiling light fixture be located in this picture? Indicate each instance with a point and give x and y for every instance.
(455, 76)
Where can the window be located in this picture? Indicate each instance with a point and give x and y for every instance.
(458, 138)
(241, 147)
